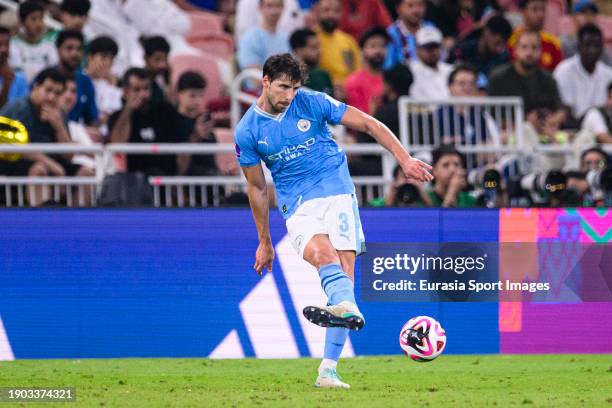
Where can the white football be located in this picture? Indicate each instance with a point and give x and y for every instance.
(422, 338)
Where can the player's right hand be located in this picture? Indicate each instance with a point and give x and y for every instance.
(264, 256)
(417, 170)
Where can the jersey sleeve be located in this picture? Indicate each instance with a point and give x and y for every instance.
(246, 148)
(329, 108)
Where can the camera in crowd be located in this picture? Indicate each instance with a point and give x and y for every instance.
(558, 189)
(488, 182)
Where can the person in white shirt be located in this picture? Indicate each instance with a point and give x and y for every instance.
(262, 41)
(248, 16)
(583, 78)
(33, 48)
(597, 122)
(101, 53)
(430, 74)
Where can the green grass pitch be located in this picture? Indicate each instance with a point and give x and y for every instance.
(450, 381)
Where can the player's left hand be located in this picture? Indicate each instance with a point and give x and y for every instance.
(417, 170)
(264, 256)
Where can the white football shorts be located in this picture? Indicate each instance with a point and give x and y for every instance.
(337, 216)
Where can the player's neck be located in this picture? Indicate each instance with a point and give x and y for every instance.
(264, 105)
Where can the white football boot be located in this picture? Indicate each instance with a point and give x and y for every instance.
(328, 378)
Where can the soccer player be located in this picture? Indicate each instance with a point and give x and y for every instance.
(287, 129)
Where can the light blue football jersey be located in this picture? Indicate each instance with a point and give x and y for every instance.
(298, 149)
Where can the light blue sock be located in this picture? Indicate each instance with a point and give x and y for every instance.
(337, 285)
(335, 337)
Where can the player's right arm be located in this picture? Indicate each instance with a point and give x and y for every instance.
(257, 191)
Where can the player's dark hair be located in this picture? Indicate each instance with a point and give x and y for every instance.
(464, 67)
(280, 65)
(445, 150)
(610, 87)
(300, 37)
(103, 45)
(52, 74)
(399, 78)
(498, 25)
(28, 7)
(575, 174)
(66, 35)
(374, 32)
(154, 44)
(190, 80)
(76, 7)
(139, 73)
(588, 29)
(4, 30)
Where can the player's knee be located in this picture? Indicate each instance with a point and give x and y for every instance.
(325, 256)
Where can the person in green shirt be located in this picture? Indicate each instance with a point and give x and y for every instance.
(307, 49)
(449, 179)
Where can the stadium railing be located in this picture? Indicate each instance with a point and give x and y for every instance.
(485, 128)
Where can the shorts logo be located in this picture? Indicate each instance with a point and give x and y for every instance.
(303, 125)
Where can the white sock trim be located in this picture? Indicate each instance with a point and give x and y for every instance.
(327, 363)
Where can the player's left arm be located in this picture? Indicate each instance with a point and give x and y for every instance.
(357, 120)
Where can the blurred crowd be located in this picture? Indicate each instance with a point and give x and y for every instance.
(158, 71)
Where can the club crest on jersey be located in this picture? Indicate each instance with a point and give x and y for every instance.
(303, 125)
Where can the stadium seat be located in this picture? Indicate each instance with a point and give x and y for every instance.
(226, 162)
(566, 25)
(204, 64)
(554, 10)
(203, 22)
(605, 23)
(218, 44)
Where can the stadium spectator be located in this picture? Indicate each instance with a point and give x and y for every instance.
(101, 53)
(584, 12)
(339, 51)
(397, 82)
(405, 192)
(69, 45)
(41, 115)
(583, 78)
(32, 49)
(523, 77)
(156, 52)
(307, 49)
(360, 15)
(159, 18)
(364, 87)
(13, 83)
(598, 121)
(461, 124)
(107, 19)
(264, 40)
(593, 158)
(430, 74)
(485, 48)
(249, 15)
(403, 47)
(449, 181)
(196, 123)
(73, 14)
(534, 13)
(77, 131)
(141, 121)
